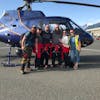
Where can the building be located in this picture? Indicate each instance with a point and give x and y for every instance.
(94, 29)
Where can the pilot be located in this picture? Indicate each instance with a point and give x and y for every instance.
(27, 45)
(26, 4)
(75, 48)
(47, 36)
(38, 47)
(56, 48)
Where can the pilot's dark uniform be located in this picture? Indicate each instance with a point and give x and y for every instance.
(56, 46)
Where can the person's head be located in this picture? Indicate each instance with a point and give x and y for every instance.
(72, 32)
(64, 32)
(47, 28)
(39, 30)
(33, 29)
(56, 27)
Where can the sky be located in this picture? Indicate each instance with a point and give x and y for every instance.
(79, 14)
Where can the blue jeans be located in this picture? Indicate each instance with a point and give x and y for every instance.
(75, 56)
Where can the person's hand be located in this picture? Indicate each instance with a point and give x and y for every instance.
(22, 47)
(36, 51)
(67, 46)
(60, 40)
(50, 41)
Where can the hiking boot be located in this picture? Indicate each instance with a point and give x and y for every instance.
(46, 66)
(22, 72)
(29, 69)
(75, 66)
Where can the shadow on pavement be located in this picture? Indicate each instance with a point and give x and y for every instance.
(90, 61)
(87, 62)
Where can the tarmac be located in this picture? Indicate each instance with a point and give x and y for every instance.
(52, 84)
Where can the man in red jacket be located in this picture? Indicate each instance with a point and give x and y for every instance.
(38, 47)
(46, 36)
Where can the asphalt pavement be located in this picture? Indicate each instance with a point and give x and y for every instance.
(52, 84)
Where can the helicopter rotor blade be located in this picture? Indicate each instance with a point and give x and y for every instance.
(72, 3)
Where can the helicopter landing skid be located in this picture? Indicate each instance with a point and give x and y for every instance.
(8, 63)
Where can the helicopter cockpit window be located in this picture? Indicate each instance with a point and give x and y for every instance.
(61, 27)
(7, 18)
(75, 27)
(52, 27)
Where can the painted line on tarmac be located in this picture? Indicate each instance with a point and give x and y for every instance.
(93, 50)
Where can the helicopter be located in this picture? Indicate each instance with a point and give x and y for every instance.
(14, 23)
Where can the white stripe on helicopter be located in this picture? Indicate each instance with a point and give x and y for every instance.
(5, 29)
(8, 29)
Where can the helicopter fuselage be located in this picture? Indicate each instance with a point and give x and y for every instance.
(14, 24)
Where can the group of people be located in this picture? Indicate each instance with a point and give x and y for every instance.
(56, 45)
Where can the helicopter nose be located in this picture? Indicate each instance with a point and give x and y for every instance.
(88, 39)
(4, 35)
(7, 37)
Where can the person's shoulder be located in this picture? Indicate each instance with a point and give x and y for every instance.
(27, 33)
(78, 37)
